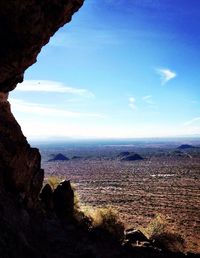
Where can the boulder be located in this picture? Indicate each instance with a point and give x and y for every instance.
(63, 199)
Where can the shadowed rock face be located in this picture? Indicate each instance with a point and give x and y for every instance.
(25, 26)
(20, 170)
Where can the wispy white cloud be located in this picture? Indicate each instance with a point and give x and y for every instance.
(192, 121)
(132, 104)
(165, 75)
(19, 105)
(148, 99)
(51, 87)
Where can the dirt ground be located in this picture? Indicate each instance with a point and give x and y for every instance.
(159, 184)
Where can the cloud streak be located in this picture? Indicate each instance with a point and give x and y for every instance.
(51, 87)
(148, 99)
(166, 75)
(44, 110)
(192, 121)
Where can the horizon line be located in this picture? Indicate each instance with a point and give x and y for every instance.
(70, 139)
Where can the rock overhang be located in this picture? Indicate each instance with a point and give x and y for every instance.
(25, 27)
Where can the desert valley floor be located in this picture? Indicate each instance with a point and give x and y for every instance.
(166, 181)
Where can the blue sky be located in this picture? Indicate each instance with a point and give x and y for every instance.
(120, 69)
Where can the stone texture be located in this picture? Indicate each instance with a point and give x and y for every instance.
(20, 170)
(26, 26)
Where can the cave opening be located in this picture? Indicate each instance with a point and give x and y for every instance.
(97, 106)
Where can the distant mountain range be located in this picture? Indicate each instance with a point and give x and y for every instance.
(125, 155)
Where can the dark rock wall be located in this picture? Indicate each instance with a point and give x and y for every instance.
(20, 171)
(25, 26)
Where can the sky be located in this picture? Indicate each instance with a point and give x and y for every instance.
(119, 69)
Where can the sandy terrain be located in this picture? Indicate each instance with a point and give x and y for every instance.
(162, 183)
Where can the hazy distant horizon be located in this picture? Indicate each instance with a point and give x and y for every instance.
(124, 141)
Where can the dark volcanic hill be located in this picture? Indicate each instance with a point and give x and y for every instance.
(186, 146)
(76, 157)
(132, 157)
(124, 153)
(59, 157)
(178, 153)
